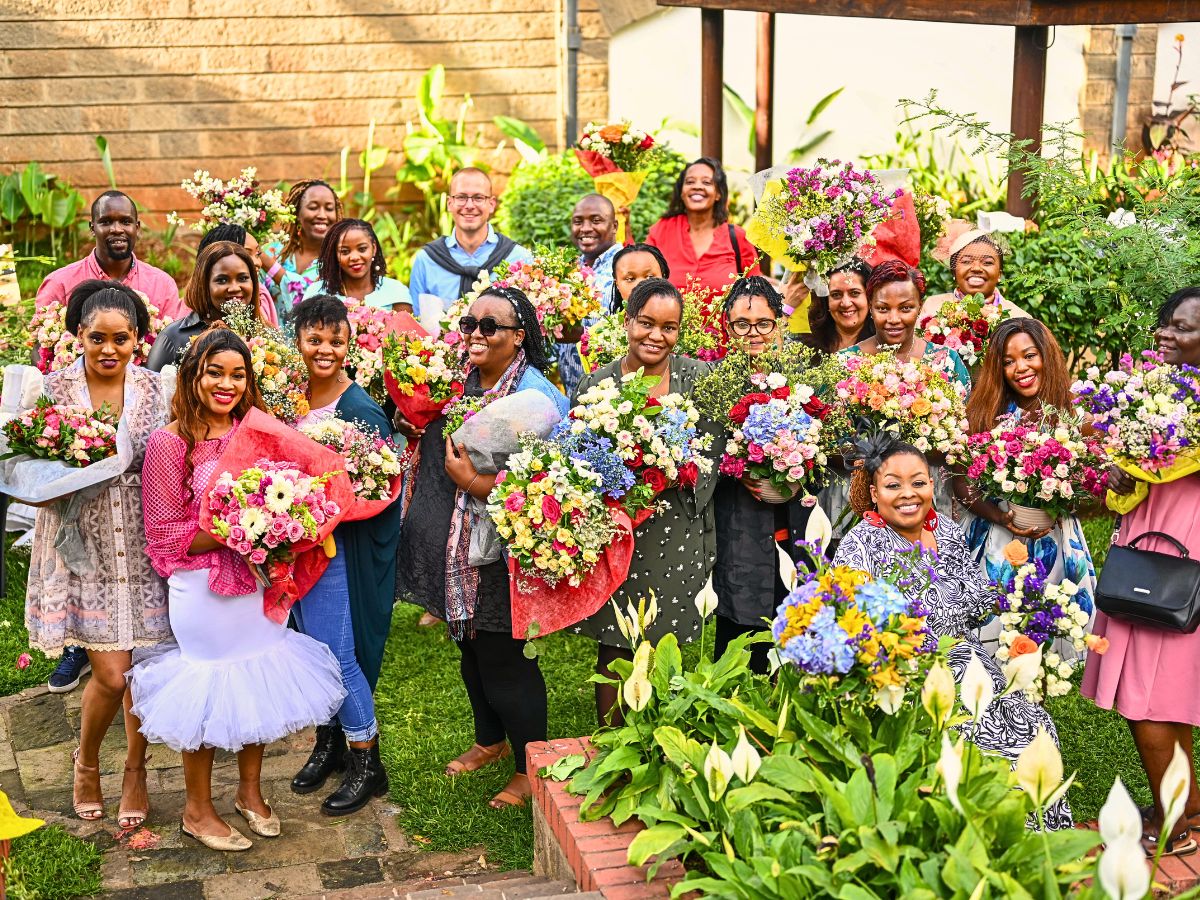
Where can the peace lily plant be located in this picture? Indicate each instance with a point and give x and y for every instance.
(766, 788)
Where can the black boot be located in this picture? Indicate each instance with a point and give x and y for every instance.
(327, 757)
(365, 778)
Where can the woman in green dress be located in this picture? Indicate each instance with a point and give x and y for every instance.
(674, 550)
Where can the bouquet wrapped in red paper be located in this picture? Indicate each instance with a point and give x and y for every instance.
(295, 461)
(423, 375)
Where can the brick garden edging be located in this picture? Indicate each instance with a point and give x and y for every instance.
(593, 854)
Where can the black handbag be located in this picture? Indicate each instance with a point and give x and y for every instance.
(1151, 588)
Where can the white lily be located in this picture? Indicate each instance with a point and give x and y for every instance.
(745, 758)
(950, 767)
(774, 660)
(819, 529)
(1039, 769)
(1119, 816)
(889, 698)
(937, 694)
(637, 688)
(1124, 872)
(1022, 671)
(1173, 790)
(976, 689)
(718, 770)
(706, 600)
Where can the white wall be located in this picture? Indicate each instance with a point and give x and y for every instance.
(1164, 69)
(654, 71)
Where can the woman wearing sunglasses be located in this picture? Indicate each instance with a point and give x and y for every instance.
(750, 523)
(506, 354)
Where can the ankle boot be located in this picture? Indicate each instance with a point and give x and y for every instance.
(365, 778)
(327, 757)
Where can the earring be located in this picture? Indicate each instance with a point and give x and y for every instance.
(873, 518)
(931, 520)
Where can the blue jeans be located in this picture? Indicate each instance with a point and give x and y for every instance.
(324, 615)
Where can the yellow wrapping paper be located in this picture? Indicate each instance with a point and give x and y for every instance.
(621, 189)
(1185, 464)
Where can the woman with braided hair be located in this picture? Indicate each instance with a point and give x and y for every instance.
(892, 492)
(351, 266)
(292, 267)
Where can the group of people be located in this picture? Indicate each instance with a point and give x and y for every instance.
(180, 638)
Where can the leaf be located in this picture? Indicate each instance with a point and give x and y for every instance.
(739, 798)
(668, 663)
(373, 158)
(429, 94)
(808, 146)
(12, 204)
(33, 187)
(822, 104)
(106, 160)
(680, 751)
(520, 130)
(654, 841)
(563, 767)
(59, 208)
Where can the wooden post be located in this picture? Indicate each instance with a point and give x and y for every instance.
(765, 95)
(1028, 102)
(712, 53)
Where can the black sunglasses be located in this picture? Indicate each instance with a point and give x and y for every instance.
(487, 325)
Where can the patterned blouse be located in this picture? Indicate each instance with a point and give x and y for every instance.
(173, 520)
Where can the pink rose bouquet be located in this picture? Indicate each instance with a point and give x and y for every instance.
(74, 435)
(369, 326)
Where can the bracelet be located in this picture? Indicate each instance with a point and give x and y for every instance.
(274, 270)
(472, 484)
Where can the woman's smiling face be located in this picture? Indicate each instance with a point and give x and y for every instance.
(223, 382)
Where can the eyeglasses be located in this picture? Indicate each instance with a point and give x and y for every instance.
(487, 326)
(742, 327)
(463, 199)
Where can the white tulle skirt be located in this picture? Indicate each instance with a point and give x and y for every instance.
(233, 677)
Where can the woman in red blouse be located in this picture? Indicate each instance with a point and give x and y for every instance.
(695, 234)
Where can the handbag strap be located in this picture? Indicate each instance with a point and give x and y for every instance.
(1183, 551)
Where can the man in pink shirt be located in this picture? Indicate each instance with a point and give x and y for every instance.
(116, 227)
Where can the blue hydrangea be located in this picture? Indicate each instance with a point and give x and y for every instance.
(824, 648)
(880, 601)
(598, 452)
(766, 420)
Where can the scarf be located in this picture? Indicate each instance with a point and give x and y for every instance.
(439, 252)
(462, 578)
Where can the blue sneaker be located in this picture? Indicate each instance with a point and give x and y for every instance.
(73, 666)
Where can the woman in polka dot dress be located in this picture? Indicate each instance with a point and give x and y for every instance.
(674, 550)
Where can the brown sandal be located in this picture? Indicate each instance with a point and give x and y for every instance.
(477, 758)
(510, 797)
(129, 819)
(90, 810)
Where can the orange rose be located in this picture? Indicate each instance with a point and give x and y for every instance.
(1097, 644)
(921, 407)
(1021, 646)
(1016, 553)
(612, 133)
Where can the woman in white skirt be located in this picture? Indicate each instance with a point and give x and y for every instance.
(236, 680)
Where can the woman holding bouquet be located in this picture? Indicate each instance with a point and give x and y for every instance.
(237, 680)
(236, 234)
(749, 525)
(675, 549)
(632, 265)
(350, 608)
(1149, 674)
(893, 493)
(976, 260)
(351, 265)
(1023, 371)
(225, 272)
(89, 583)
(506, 354)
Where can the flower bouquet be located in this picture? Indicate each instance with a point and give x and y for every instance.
(561, 291)
(278, 367)
(298, 487)
(964, 325)
(911, 399)
(422, 375)
(1034, 613)
(852, 639)
(775, 437)
(815, 219)
(56, 348)
(369, 327)
(74, 435)
(1044, 470)
(617, 156)
(240, 201)
(371, 462)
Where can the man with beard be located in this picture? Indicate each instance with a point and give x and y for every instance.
(116, 227)
(594, 234)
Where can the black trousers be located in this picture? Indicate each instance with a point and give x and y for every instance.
(507, 692)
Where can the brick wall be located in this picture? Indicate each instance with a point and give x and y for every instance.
(1095, 107)
(177, 85)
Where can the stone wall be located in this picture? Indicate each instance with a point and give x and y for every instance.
(177, 85)
(1095, 106)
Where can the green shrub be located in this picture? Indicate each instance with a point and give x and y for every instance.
(537, 202)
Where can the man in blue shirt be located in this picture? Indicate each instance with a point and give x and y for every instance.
(594, 234)
(448, 266)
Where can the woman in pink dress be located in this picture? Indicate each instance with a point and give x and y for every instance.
(1148, 674)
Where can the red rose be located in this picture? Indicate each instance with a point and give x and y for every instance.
(924, 323)
(551, 509)
(938, 338)
(538, 477)
(652, 402)
(689, 474)
(981, 327)
(636, 462)
(738, 412)
(656, 479)
(647, 143)
(781, 393)
(816, 408)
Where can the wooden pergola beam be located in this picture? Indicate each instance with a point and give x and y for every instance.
(1028, 103)
(712, 69)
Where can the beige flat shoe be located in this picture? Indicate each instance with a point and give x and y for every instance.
(263, 826)
(230, 843)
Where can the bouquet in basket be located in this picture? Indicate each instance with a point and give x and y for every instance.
(617, 156)
(775, 436)
(1033, 613)
(56, 348)
(549, 512)
(657, 439)
(913, 400)
(1047, 466)
(240, 201)
(371, 462)
(815, 219)
(369, 327)
(422, 375)
(964, 325)
(73, 435)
